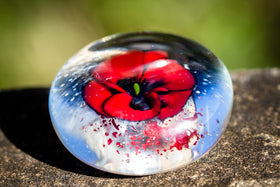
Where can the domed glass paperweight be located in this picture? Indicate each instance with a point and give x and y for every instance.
(141, 103)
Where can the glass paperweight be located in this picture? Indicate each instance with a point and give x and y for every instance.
(141, 103)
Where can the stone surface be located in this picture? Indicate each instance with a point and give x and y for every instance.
(247, 154)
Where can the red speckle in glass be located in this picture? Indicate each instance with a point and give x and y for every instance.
(183, 140)
(115, 134)
(109, 141)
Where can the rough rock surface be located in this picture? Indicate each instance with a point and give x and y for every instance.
(247, 155)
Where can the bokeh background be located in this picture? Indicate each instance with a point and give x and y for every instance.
(37, 37)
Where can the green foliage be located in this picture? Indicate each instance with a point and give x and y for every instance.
(37, 37)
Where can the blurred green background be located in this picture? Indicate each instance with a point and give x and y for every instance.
(37, 37)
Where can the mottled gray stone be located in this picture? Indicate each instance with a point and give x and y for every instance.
(247, 155)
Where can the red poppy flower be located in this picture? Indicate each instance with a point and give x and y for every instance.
(138, 86)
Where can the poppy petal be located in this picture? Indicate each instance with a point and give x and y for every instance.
(118, 106)
(95, 94)
(151, 56)
(118, 67)
(173, 76)
(173, 103)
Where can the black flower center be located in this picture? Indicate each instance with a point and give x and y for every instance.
(138, 89)
(141, 103)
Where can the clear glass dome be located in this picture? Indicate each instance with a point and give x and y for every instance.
(141, 103)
